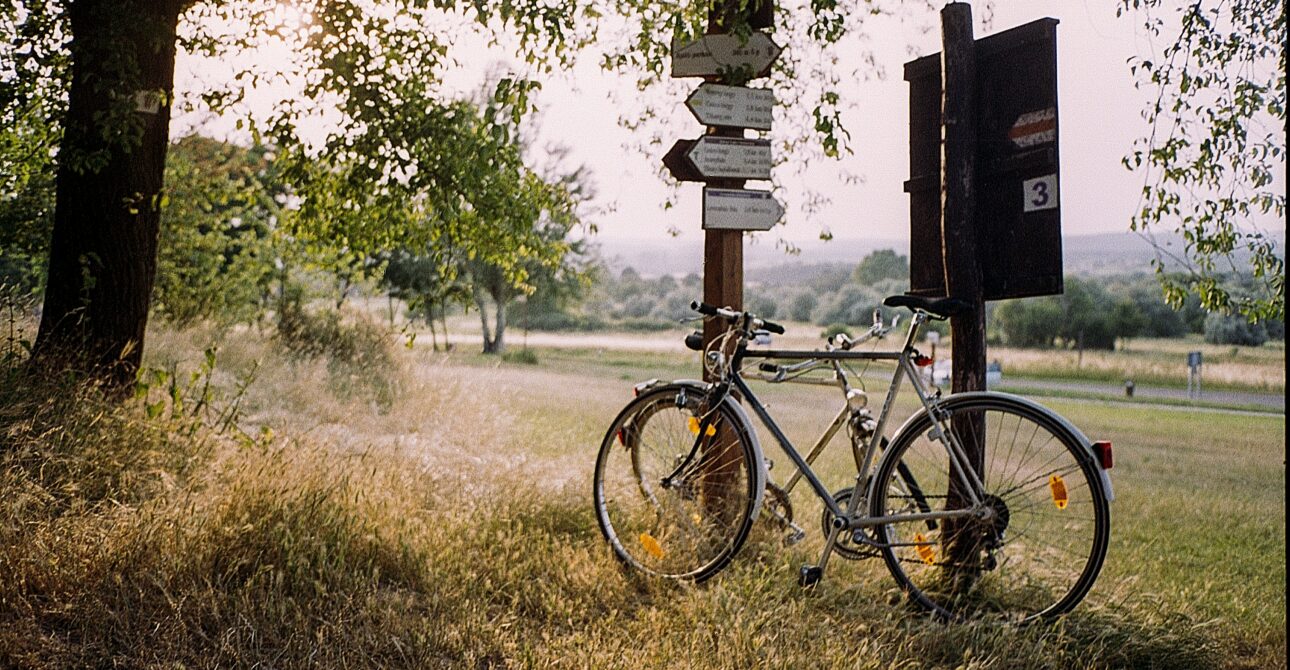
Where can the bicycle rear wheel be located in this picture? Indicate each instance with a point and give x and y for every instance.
(671, 502)
(1037, 548)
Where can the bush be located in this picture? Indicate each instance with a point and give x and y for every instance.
(561, 321)
(801, 306)
(1220, 329)
(522, 356)
(358, 353)
(836, 329)
(850, 304)
(646, 325)
(638, 306)
(763, 306)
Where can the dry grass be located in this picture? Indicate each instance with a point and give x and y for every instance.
(1158, 362)
(449, 528)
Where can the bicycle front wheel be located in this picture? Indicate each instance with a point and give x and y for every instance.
(677, 483)
(1036, 542)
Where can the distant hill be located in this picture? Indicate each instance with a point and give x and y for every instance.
(681, 256)
(1092, 255)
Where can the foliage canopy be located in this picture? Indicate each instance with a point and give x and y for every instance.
(1218, 134)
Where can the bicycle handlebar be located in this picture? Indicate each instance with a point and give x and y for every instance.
(733, 316)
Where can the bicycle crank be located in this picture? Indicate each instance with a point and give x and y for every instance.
(852, 545)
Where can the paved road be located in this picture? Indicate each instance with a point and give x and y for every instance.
(1141, 392)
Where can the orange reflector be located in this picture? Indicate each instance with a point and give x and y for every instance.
(1058, 486)
(1104, 457)
(651, 545)
(924, 548)
(694, 427)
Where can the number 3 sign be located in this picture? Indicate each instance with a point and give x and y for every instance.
(1039, 193)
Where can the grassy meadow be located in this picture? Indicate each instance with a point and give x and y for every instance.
(433, 510)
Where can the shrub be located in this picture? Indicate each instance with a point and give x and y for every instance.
(358, 352)
(836, 329)
(524, 356)
(1220, 329)
(646, 325)
(801, 306)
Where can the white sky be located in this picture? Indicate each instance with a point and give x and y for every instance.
(1099, 116)
(1099, 111)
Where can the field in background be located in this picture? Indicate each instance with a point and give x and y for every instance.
(442, 518)
(1160, 362)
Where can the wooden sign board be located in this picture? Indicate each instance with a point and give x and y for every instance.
(712, 55)
(712, 157)
(1018, 205)
(731, 158)
(740, 209)
(732, 106)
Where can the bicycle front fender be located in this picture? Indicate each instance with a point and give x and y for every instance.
(700, 386)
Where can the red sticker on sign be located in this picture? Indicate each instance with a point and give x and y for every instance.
(1034, 128)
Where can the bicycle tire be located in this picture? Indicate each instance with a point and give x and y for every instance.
(1040, 550)
(690, 528)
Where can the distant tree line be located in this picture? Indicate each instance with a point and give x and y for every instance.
(1092, 313)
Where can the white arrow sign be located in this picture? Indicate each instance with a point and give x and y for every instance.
(711, 54)
(732, 106)
(731, 158)
(737, 209)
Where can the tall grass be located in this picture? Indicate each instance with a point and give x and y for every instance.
(451, 528)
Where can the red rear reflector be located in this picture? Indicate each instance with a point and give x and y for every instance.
(620, 438)
(1104, 455)
(923, 361)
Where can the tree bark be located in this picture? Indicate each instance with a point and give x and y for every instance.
(103, 252)
(499, 329)
(480, 303)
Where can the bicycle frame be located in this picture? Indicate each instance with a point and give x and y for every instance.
(847, 519)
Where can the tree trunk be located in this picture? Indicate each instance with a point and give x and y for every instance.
(443, 319)
(480, 303)
(499, 332)
(103, 252)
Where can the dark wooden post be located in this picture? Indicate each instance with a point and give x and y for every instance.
(723, 250)
(960, 252)
(958, 197)
(723, 286)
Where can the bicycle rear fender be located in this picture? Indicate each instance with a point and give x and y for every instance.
(1075, 433)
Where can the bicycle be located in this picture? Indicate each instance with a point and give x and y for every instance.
(980, 504)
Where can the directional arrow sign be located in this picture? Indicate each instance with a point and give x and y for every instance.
(676, 162)
(710, 55)
(737, 209)
(732, 106)
(731, 158)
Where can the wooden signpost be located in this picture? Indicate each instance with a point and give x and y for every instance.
(723, 158)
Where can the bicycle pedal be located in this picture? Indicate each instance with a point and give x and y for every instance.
(809, 575)
(794, 536)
